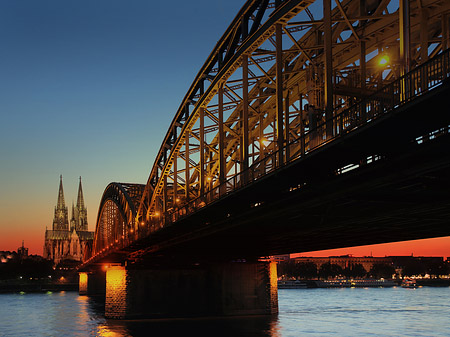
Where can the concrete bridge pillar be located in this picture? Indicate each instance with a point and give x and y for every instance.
(92, 283)
(213, 290)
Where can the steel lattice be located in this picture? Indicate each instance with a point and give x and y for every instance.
(280, 82)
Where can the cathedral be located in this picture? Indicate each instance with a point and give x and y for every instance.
(63, 242)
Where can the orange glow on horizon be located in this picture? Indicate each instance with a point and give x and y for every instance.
(439, 247)
(12, 237)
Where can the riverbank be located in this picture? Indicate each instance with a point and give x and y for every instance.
(36, 286)
(363, 283)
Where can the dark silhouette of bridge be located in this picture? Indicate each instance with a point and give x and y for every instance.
(297, 134)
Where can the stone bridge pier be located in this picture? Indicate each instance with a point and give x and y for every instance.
(92, 283)
(224, 289)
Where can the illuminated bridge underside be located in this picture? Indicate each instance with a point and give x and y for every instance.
(292, 137)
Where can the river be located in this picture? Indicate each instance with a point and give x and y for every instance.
(303, 312)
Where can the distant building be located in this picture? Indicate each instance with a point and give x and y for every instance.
(346, 261)
(64, 242)
(402, 261)
(22, 251)
(21, 254)
(6, 256)
(417, 265)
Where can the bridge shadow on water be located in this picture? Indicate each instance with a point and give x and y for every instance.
(257, 326)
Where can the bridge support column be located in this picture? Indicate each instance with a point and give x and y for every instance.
(92, 283)
(246, 288)
(212, 290)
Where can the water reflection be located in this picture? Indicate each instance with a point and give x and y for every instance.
(93, 309)
(243, 326)
(264, 326)
(314, 312)
(104, 331)
(83, 312)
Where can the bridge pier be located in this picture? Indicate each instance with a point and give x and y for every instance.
(92, 283)
(227, 289)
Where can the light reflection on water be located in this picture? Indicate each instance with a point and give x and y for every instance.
(311, 312)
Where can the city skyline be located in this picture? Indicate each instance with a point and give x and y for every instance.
(89, 89)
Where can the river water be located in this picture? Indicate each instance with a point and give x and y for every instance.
(303, 312)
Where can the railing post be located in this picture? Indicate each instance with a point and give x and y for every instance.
(445, 64)
(424, 79)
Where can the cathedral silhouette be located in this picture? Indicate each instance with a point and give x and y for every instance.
(63, 242)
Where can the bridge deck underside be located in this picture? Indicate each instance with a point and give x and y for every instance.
(307, 206)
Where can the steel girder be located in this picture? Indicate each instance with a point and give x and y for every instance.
(248, 99)
(270, 91)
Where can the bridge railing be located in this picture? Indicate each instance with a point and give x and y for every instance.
(399, 92)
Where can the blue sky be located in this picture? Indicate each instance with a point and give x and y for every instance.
(89, 88)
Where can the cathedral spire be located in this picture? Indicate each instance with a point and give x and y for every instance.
(60, 220)
(60, 203)
(81, 211)
(80, 200)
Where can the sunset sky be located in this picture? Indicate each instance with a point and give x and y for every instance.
(89, 88)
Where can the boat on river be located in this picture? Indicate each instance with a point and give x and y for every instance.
(409, 283)
(292, 284)
(352, 283)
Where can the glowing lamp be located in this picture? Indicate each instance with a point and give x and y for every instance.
(264, 142)
(383, 60)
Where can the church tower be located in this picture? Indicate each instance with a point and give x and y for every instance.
(60, 242)
(81, 223)
(61, 218)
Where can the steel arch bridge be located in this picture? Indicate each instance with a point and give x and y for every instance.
(286, 78)
(117, 211)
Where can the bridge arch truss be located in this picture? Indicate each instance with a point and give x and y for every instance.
(285, 78)
(272, 88)
(116, 215)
